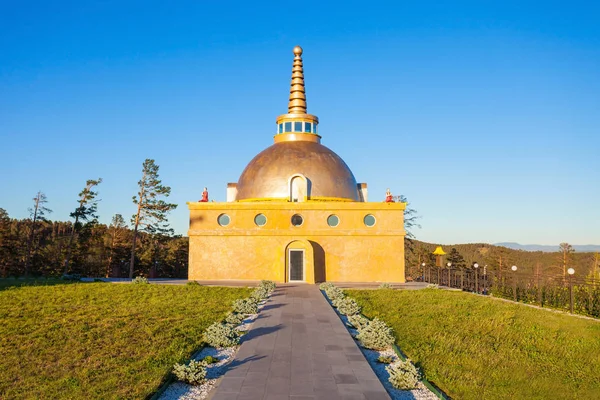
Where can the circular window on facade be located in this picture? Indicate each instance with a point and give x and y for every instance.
(333, 221)
(260, 219)
(369, 220)
(223, 219)
(297, 220)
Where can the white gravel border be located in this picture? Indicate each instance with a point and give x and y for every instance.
(183, 391)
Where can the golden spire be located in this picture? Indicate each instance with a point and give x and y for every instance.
(297, 124)
(297, 104)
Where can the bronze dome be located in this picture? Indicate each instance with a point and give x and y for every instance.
(268, 175)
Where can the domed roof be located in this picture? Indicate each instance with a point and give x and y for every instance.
(268, 174)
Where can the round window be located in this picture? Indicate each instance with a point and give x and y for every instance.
(297, 220)
(260, 219)
(369, 220)
(333, 221)
(223, 220)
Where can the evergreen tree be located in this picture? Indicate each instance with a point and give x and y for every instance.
(565, 256)
(5, 242)
(152, 212)
(117, 235)
(37, 213)
(457, 260)
(85, 212)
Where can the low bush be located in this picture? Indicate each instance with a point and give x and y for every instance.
(260, 293)
(385, 285)
(326, 285)
(433, 286)
(246, 306)
(221, 335)
(140, 280)
(348, 306)
(269, 285)
(193, 372)
(385, 359)
(376, 335)
(192, 283)
(334, 293)
(234, 318)
(403, 375)
(358, 321)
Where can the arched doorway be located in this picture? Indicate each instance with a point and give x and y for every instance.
(299, 262)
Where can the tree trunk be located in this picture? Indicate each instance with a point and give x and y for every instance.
(31, 236)
(68, 257)
(135, 231)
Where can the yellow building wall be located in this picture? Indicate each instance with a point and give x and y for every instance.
(350, 252)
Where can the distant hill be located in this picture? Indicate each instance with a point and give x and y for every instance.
(547, 248)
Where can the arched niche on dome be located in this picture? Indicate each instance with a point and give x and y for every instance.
(299, 188)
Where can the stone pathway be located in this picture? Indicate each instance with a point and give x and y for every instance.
(299, 349)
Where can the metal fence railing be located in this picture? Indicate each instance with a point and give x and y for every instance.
(571, 293)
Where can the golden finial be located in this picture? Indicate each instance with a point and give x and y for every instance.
(297, 104)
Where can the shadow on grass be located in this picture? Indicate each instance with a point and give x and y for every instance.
(7, 283)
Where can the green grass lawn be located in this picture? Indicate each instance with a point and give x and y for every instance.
(101, 340)
(474, 347)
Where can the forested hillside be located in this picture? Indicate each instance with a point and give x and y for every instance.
(99, 250)
(499, 258)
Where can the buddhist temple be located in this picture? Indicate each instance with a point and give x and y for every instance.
(297, 214)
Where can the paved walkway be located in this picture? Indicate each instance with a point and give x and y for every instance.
(299, 349)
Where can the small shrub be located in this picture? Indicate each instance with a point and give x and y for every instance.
(260, 293)
(335, 293)
(140, 280)
(193, 373)
(269, 285)
(326, 285)
(403, 375)
(234, 318)
(385, 285)
(348, 306)
(221, 335)
(358, 321)
(433, 286)
(210, 360)
(385, 359)
(192, 283)
(245, 306)
(376, 335)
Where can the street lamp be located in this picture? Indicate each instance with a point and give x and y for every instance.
(476, 266)
(423, 265)
(571, 271)
(514, 268)
(449, 265)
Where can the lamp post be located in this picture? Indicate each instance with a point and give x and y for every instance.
(485, 281)
(423, 269)
(514, 269)
(476, 266)
(449, 265)
(571, 271)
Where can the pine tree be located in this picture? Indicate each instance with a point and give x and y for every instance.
(117, 233)
(457, 260)
(37, 213)
(86, 212)
(565, 253)
(5, 242)
(151, 213)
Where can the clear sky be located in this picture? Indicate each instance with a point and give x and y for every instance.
(486, 115)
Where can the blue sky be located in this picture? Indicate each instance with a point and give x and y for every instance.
(486, 115)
